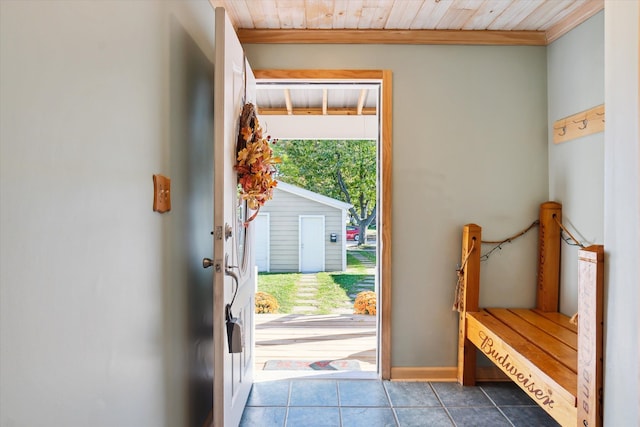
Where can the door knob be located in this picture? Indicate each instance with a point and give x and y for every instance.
(207, 262)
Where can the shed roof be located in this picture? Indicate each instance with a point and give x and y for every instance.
(299, 191)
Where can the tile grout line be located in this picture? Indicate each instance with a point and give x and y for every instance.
(393, 408)
(496, 406)
(286, 412)
(339, 403)
(446, 410)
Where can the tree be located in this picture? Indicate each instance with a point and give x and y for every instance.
(341, 169)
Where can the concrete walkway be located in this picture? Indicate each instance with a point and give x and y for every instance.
(306, 297)
(306, 302)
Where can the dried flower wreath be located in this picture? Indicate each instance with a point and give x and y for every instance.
(255, 162)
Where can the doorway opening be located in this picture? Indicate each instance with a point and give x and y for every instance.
(344, 337)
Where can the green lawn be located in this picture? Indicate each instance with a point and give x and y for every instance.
(333, 290)
(282, 286)
(371, 255)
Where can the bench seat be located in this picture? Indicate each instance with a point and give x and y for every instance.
(536, 350)
(558, 364)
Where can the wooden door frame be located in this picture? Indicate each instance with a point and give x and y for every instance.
(384, 183)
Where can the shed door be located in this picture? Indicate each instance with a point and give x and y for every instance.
(311, 243)
(263, 230)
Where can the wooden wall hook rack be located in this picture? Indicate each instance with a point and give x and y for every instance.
(579, 124)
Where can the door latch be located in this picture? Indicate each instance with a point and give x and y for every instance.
(208, 262)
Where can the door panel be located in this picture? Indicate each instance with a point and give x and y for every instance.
(311, 244)
(233, 248)
(262, 232)
(191, 127)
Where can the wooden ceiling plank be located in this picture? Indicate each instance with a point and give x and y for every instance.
(238, 12)
(430, 14)
(380, 10)
(290, 18)
(276, 99)
(485, 15)
(233, 16)
(514, 14)
(418, 37)
(319, 14)
(561, 15)
(575, 18)
(265, 14)
(367, 15)
(291, 14)
(353, 11)
(528, 17)
(287, 101)
(545, 12)
(402, 14)
(340, 14)
(459, 13)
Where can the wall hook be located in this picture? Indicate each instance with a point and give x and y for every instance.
(584, 123)
(563, 130)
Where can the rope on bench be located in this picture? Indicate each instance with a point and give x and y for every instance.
(457, 303)
(575, 241)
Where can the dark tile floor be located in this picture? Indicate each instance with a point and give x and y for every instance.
(371, 403)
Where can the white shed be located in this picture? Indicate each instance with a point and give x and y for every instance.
(301, 231)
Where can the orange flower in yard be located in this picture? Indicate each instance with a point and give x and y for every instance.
(365, 303)
(255, 159)
(266, 303)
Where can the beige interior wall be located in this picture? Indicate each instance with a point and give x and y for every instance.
(469, 145)
(95, 97)
(576, 167)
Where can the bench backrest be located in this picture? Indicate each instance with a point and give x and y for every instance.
(549, 239)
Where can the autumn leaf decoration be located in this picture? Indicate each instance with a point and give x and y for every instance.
(255, 162)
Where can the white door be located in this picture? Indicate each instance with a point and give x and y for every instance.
(311, 243)
(262, 232)
(232, 247)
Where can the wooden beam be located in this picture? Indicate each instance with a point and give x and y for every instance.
(426, 37)
(361, 99)
(325, 101)
(310, 75)
(287, 101)
(316, 111)
(574, 19)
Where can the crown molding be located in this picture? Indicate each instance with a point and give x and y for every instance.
(419, 37)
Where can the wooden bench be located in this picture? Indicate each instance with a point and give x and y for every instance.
(558, 364)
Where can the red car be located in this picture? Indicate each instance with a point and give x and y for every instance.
(353, 233)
